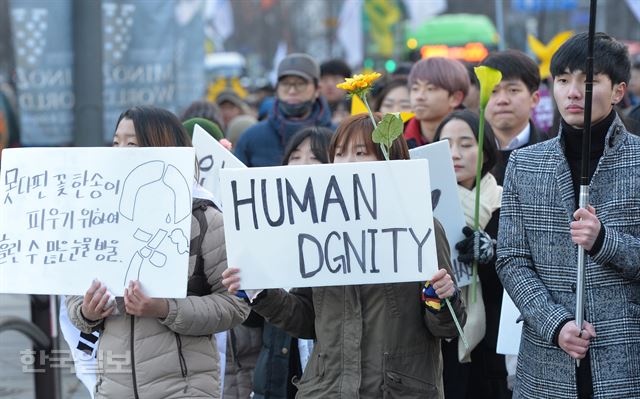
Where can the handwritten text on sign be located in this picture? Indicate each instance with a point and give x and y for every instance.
(320, 225)
(70, 215)
(212, 157)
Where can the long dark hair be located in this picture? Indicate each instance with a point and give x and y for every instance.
(156, 127)
(319, 138)
(489, 148)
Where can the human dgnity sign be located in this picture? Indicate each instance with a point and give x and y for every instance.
(337, 224)
(69, 215)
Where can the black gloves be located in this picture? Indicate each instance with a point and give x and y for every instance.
(477, 245)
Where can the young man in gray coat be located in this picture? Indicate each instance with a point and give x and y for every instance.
(540, 231)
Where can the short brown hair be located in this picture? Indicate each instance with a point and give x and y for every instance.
(360, 127)
(447, 73)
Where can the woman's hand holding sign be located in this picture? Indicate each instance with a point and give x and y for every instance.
(439, 289)
(98, 303)
(95, 302)
(231, 280)
(139, 304)
(443, 284)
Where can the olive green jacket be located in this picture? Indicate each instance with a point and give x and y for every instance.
(373, 341)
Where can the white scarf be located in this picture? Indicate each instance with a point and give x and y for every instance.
(490, 198)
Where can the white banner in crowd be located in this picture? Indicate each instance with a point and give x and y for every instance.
(212, 157)
(322, 225)
(510, 329)
(70, 215)
(446, 201)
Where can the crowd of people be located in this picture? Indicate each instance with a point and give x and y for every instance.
(381, 340)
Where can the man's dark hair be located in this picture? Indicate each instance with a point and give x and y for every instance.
(515, 64)
(403, 69)
(472, 74)
(335, 67)
(610, 57)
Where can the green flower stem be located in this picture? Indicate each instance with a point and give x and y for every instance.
(476, 216)
(384, 151)
(366, 104)
(455, 320)
(373, 120)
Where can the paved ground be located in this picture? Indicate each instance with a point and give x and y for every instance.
(14, 383)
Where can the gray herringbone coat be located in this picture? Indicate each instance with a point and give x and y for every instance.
(537, 265)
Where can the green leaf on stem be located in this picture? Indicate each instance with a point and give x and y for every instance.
(389, 129)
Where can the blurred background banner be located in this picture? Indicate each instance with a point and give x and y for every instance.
(543, 5)
(43, 70)
(153, 54)
(634, 6)
(349, 32)
(172, 52)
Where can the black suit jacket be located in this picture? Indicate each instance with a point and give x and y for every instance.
(535, 136)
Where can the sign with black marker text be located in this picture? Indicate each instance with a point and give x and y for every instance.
(70, 215)
(212, 157)
(334, 224)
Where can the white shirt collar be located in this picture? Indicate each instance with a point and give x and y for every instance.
(520, 140)
(202, 193)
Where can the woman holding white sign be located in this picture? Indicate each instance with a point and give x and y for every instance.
(478, 371)
(282, 357)
(372, 341)
(162, 347)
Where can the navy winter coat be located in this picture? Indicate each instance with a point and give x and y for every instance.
(263, 144)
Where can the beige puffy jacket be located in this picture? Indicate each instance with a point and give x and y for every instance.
(142, 357)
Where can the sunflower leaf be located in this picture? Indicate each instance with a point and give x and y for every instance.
(388, 130)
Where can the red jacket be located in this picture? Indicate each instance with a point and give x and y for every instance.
(413, 133)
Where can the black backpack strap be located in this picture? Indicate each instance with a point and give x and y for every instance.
(198, 284)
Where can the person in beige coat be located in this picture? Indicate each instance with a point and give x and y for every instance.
(159, 347)
(372, 341)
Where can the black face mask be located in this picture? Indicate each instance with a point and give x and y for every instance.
(295, 110)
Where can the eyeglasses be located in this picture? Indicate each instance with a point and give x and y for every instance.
(296, 85)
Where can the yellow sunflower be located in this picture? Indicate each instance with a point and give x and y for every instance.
(359, 84)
